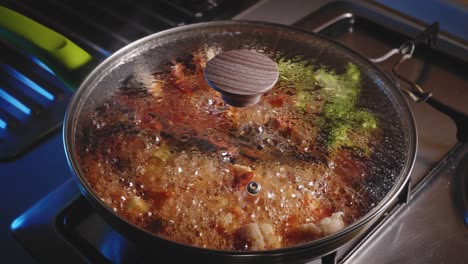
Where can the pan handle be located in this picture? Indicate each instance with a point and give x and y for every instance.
(65, 57)
(415, 92)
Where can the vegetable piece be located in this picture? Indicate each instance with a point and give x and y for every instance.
(136, 206)
(163, 153)
(298, 75)
(364, 119)
(302, 100)
(342, 118)
(156, 90)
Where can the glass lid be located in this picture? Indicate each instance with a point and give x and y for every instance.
(156, 144)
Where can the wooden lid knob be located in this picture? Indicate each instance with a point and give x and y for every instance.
(241, 76)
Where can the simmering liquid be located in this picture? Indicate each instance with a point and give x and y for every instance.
(176, 160)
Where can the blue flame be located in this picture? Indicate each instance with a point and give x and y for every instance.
(14, 102)
(3, 124)
(41, 64)
(105, 52)
(28, 82)
(18, 222)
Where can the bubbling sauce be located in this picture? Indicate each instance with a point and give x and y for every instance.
(174, 159)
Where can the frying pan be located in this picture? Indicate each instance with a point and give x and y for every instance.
(395, 155)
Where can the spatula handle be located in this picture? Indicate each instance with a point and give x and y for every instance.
(57, 50)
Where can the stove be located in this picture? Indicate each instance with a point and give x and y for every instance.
(427, 223)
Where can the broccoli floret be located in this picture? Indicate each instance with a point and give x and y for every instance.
(339, 135)
(352, 74)
(364, 119)
(302, 100)
(342, 120)
(345, 135)
(345, 86)
(338, 109)
(299, 75)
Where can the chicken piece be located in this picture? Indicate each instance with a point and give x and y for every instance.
(310, 231)
(332, 224)
(272, 240)
(304, 232)
(259, 236)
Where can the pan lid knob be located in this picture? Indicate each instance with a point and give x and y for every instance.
(241, 76)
